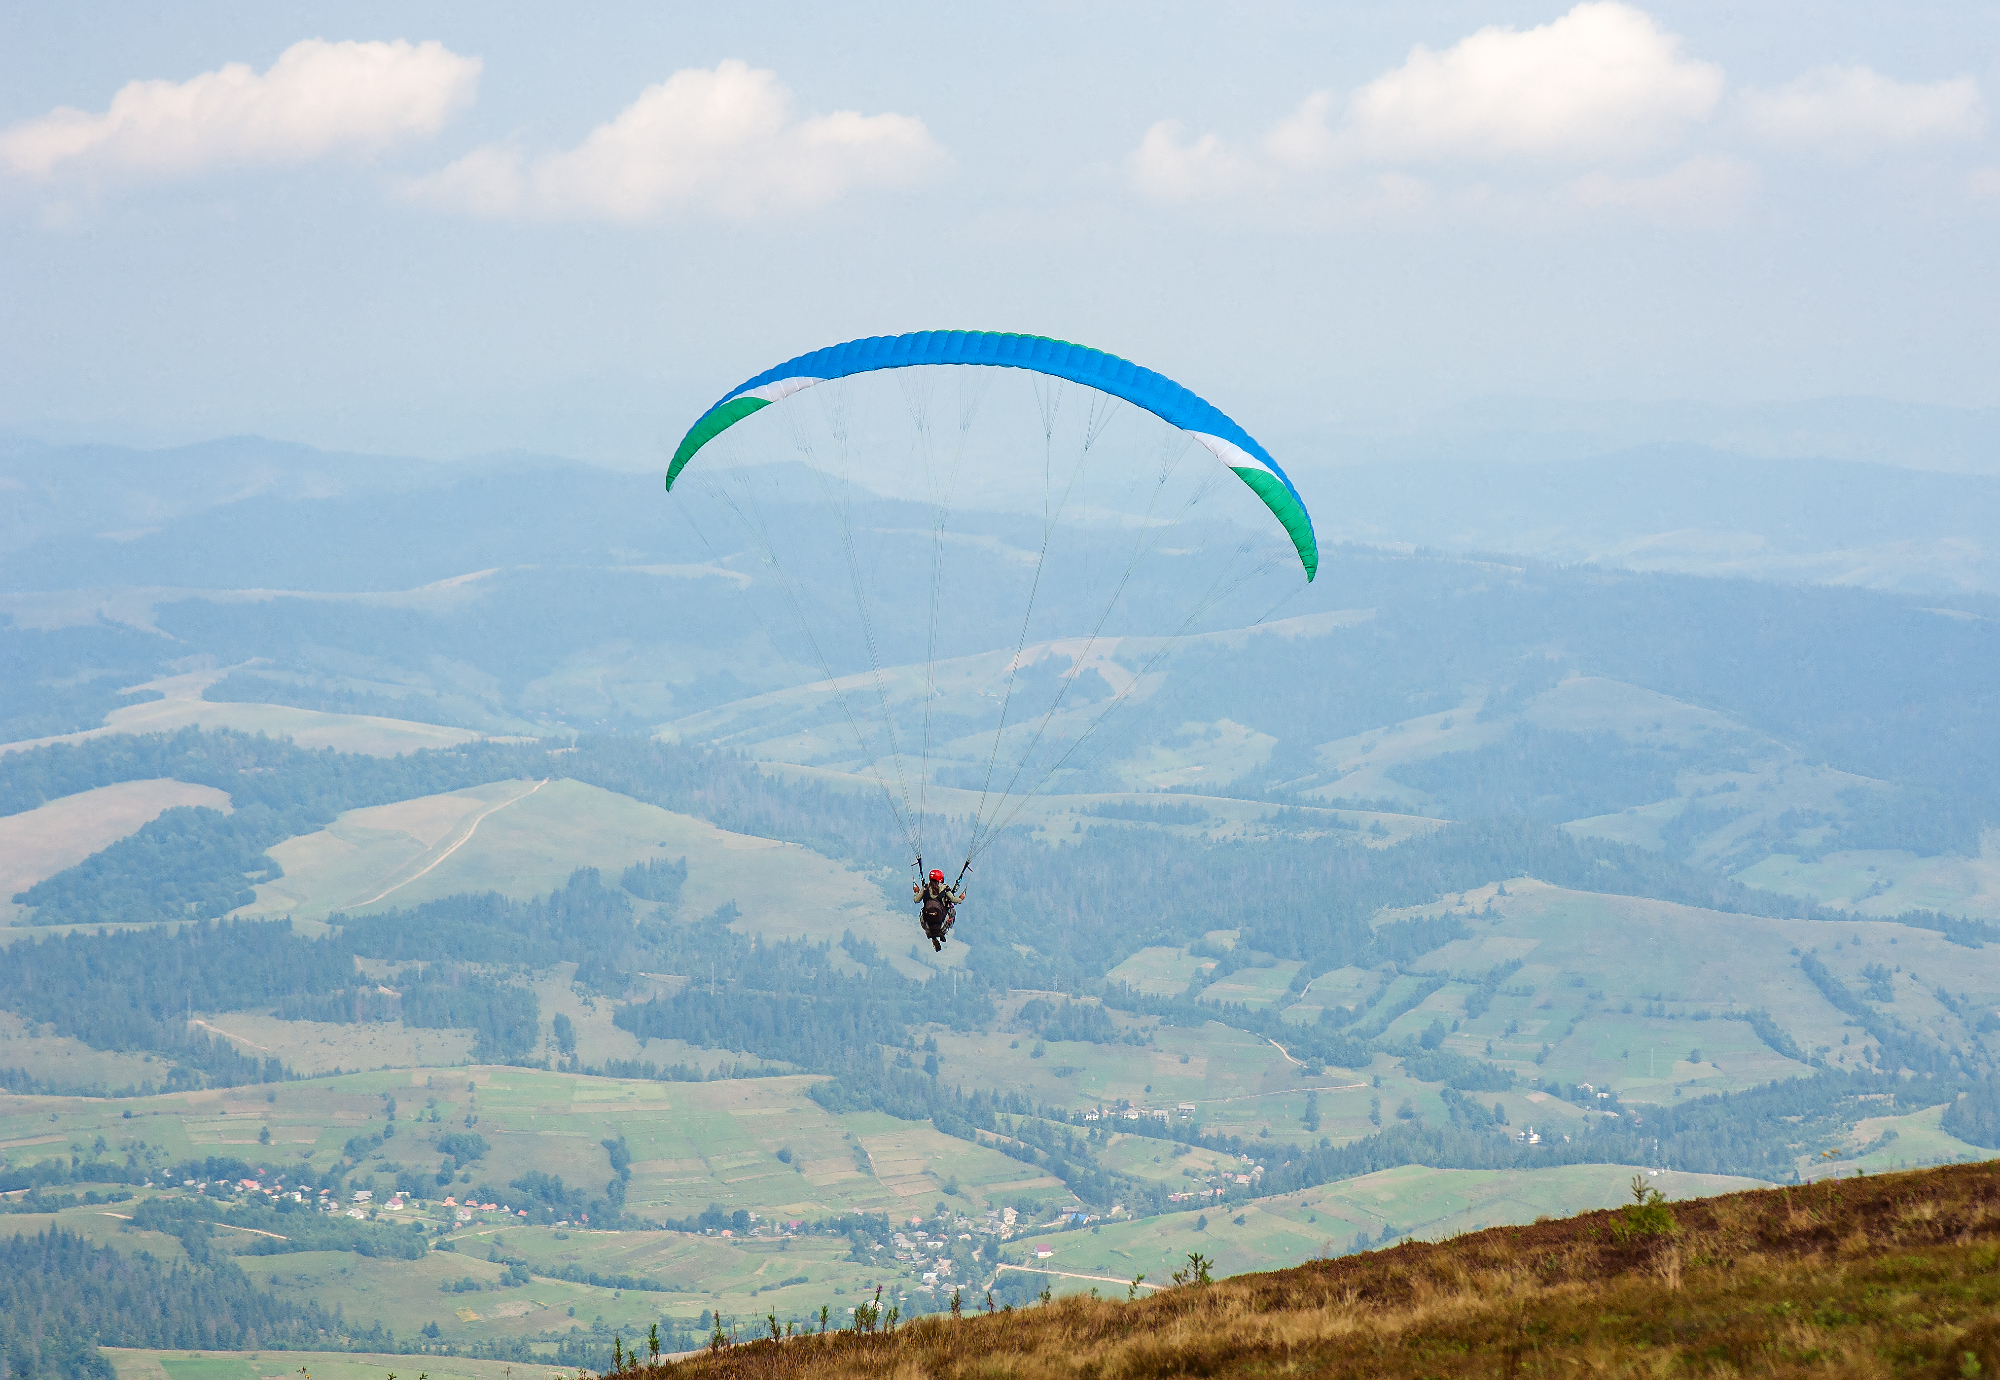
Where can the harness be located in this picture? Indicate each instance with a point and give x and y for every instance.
(937, 899)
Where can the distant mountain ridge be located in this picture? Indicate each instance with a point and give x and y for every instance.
(120, 494)
(520, 594)
(1507, 430)
(1692, 509)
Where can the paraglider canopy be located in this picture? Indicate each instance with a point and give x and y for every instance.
(1120, 378)
(977, 728)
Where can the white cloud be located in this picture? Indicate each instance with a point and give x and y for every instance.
(1304, 138)
(724, 139)
(317, 98)
(1172, 167)
(1856, 109)
(1603, 81)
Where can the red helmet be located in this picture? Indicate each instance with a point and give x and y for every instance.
(936, 875)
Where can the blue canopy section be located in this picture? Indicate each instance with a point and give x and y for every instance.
(1107, 373)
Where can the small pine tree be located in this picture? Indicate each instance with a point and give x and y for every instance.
(1646, 1215)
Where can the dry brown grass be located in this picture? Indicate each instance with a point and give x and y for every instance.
(1894, 1276)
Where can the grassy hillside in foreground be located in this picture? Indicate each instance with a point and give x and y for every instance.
(1887, 1276)
(1412, 1200)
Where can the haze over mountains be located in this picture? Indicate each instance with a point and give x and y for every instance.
(1666, 505)
(517, 594)
(1693, 509)
(1581, 817)
(1906, 435)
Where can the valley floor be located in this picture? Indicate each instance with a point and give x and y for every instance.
(133, 1363)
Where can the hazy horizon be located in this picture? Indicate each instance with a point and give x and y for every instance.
(1341, 224)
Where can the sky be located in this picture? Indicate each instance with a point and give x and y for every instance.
(452, 229)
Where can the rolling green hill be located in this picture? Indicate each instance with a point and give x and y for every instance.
(522, 838)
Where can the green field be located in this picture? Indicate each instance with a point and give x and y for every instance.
(1147, 1158)
(1885, 1143)
(130, 1363)
(405, 1295)
(1059, 818)
(790, 725)
(1214, 1066)
(1197, 755)
(1362, 762)
(1353, 989)
(101, 1226)
(741, 1277)
(183, 706)
(1446, 1005)
(60, 1057)
(313, 1048)
(692, 1144)
(1255, 988)
(1884, 882)
(1159, 971)
(39, 843)
(1768, 785)
(1623, 990)
(524, 838)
